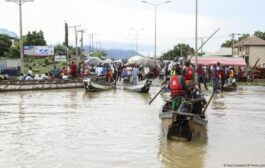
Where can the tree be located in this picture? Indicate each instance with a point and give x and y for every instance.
(14, 51)
(242, 37)
(179, 50)
(227, 43)
(35, 38)
(66, 34)
(5, 44)
(60, 49)
(99, 54)
(260, 34)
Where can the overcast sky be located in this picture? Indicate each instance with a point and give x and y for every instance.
(115, 21)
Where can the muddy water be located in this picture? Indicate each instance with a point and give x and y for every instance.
(71, 128)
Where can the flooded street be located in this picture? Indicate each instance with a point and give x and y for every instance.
(72, 128)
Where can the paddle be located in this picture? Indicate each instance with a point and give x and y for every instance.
(207, 104)
(156, 94)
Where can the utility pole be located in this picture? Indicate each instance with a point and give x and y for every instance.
(196, 40)
(20, 3)
(81, 40)
(233, 42)
(76, 39)
(91, 37)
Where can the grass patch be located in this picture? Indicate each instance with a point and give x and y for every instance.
(42, 65)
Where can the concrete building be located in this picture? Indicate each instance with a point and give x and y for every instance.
(251, 49)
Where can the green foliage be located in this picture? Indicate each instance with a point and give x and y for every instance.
(60, 50)
(5, 44)
(35, 38)
(242, 37)
(227, 43)
(180, 50)
(46, 61)
(99, 54)
(14, 51)
(260, 34)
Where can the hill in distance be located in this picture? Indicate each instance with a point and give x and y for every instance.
(117, 53)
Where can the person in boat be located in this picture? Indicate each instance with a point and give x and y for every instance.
(28, 77)
(231, 75)
(30, 72)
(21, 77)
(92, 68)
(188, 75)
(135, 74)
(178, 88)
(37, 77)
(104, 70)
(109, 76)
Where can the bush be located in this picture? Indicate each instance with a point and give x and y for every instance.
(46, 61)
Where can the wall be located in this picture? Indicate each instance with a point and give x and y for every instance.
(256, 52)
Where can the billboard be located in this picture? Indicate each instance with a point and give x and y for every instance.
(38, 50)
(60, 58)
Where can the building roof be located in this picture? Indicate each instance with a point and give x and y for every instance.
(226, 52)
(233, 61)
(251, 41)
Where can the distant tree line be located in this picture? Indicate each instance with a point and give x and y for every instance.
(179, 50)
(12, 50)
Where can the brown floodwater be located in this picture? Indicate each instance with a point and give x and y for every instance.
(75, 129)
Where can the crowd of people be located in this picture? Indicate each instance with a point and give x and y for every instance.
(180, 79)
(217, 74)
(113, 72)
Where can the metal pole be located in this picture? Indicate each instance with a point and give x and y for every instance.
(233, 43)
(76, 50)
(155, 5)
(20, 3)
(196, 41)
(21, 38)
(76, 37)
(81, 40)
(155, 32)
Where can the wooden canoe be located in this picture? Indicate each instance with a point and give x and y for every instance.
(93, 84)
(141, 87)
(20, 85)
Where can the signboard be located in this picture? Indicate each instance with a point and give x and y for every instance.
(60, 58)
(38, 50)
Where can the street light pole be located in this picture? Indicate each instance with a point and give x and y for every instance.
(155, 5)
(20, 3)
(81, 40)
(196, 40)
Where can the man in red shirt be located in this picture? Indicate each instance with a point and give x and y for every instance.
(73, 69)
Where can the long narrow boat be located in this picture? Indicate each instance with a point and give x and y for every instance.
(95, 83)
(188, 121)
(20, 85)
(141, 87)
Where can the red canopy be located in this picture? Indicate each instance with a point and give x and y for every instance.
(233, 61)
